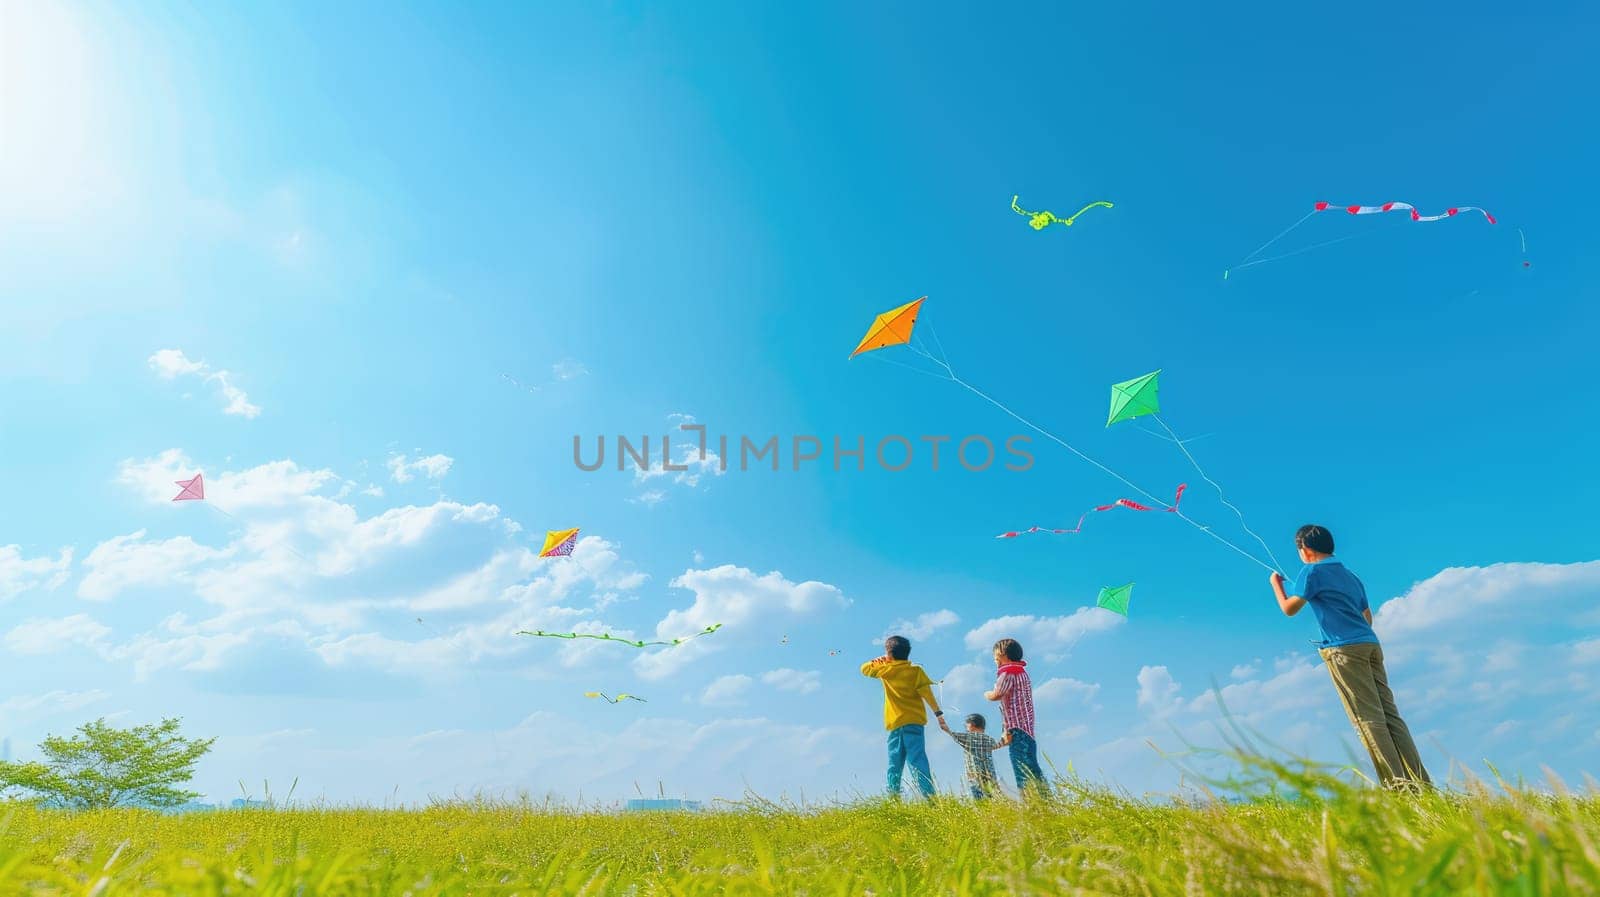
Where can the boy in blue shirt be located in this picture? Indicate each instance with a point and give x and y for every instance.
(1354, 658)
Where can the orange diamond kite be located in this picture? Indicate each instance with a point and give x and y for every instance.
(892, 328)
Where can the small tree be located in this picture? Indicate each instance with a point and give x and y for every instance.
(105, 767)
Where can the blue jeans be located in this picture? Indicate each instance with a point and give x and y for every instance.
(1025, 762)
(906, 746)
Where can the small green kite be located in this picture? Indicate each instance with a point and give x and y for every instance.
(1133, 398)
(1115, 599)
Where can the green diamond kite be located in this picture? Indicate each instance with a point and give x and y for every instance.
(1132, 398)
(1116, 599)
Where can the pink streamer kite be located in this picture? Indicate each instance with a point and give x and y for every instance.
(1128, 503)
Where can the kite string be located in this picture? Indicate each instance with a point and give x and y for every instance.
(494, 738)
(1217, 486)
(1295, 252)
(1069, 447)
(1263, 247)
(901, 364)
(213, 506)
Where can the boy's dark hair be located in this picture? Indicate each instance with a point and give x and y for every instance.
(1316, 538)
(897, 646)
(976, 720)
(1011, 647)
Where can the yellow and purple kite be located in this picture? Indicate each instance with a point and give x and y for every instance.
(558, 543)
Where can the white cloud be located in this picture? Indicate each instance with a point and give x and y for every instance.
(434, 467)
(124, 562)
(48, 636)
(1043, 634)
(802, 681)
(650, 498)
(1484, 595)
(727, 691)
(170, 364)
(1296, 687)
(1587, 651)
(568, 369)
(1066, 691)
(1245, 670)
(1158, 692)
(923, 626)
(687, 470)
(690, 462)
(52, 702)
(19, 574)
(732, 596)
(969, 677)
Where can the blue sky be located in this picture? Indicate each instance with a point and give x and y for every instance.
(354, 228)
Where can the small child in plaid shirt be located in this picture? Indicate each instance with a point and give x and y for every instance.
(979, 748)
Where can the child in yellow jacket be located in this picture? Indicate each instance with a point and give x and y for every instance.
(906, 687)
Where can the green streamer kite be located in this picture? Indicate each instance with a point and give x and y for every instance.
(1042, 220)
(1115, 599)
(608, 637)
(616, 700)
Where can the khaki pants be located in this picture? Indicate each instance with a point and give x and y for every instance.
(1358, 673)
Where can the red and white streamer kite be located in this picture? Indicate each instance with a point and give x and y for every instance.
(1415, 215)
(1253, 259)
(1128, 503)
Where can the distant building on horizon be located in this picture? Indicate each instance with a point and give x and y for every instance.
(660, 803)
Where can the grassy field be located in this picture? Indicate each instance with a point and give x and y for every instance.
(1316, 837)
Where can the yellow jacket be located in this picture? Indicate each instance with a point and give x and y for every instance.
(905, 687)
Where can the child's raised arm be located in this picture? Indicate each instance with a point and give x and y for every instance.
(1289, 604)
(874, 667)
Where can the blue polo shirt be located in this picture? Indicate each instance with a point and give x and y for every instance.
(1337, 598)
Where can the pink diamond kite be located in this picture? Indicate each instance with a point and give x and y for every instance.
(193, 490)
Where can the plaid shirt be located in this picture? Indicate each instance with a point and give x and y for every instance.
(1016, 696)
(979, 748)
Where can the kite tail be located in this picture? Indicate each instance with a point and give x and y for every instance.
(1218, 486)
(1101, 203)
(1073, 449)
